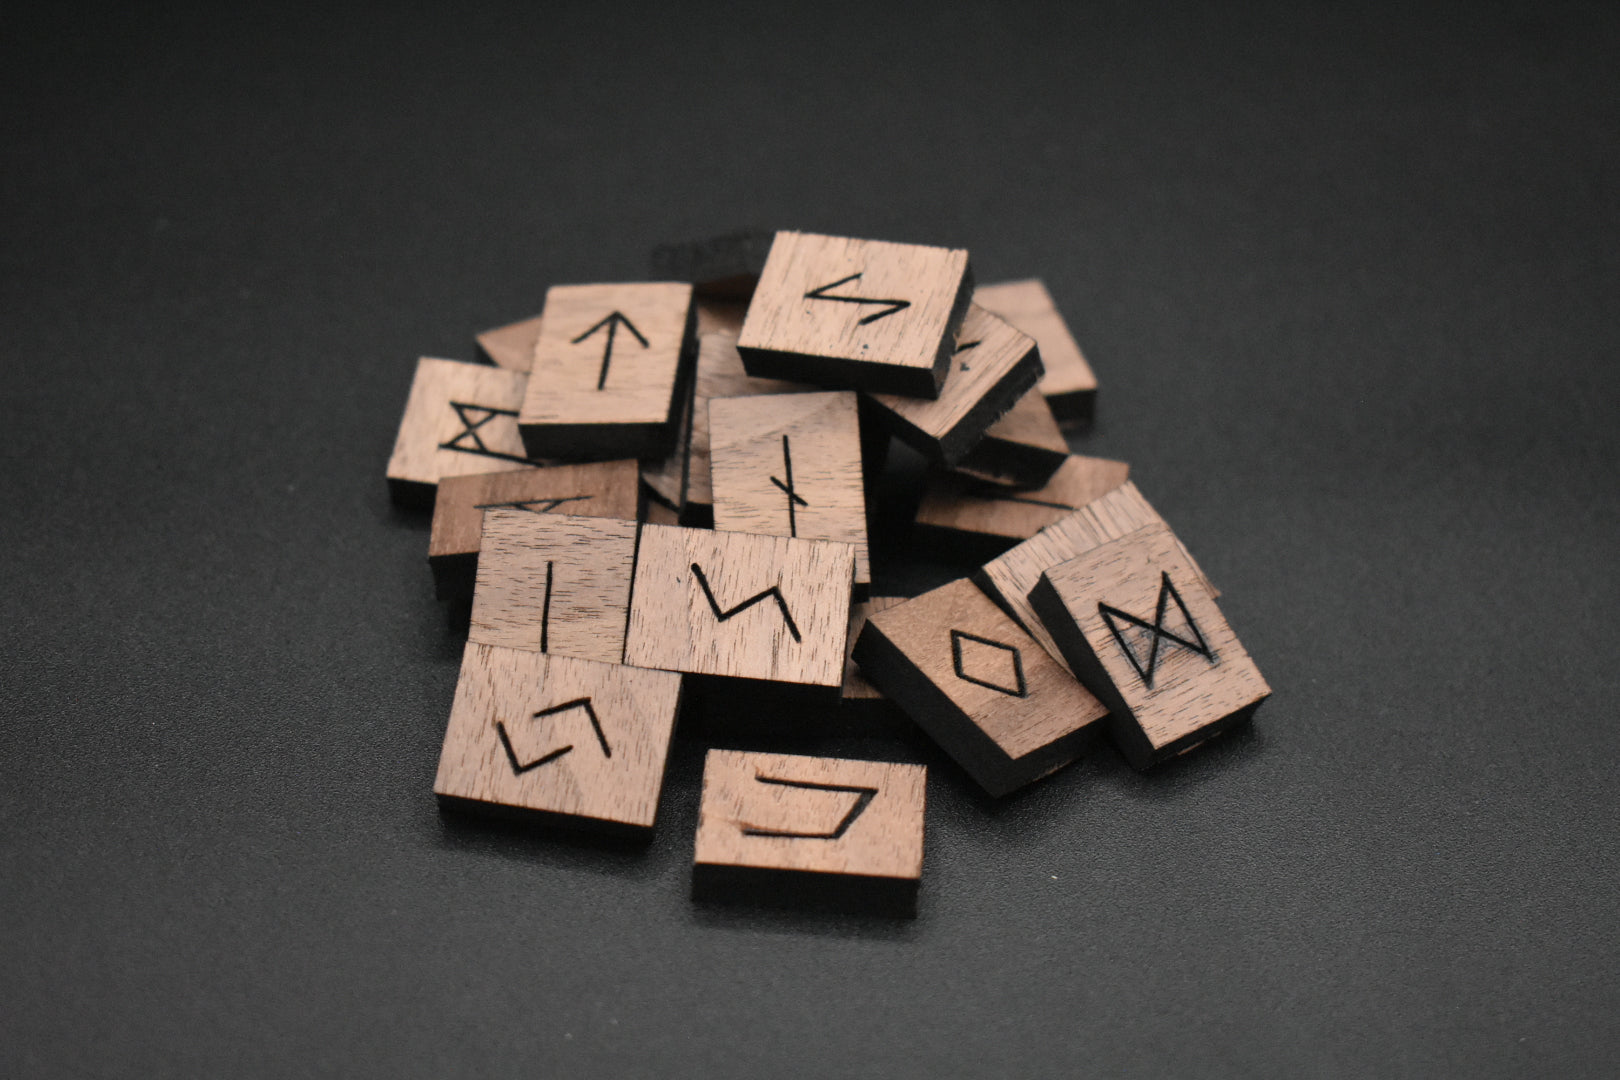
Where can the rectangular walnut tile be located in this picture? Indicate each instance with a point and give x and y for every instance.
(823, 830)
(962, 513)
(720, 374)
(982, 688)
(726, 266)
(610, 371)
(511, 346)
(993, 367)
(1009, 577)
(1069, 385)
(666, 478)
(1138, 626)
(599, 489)
(554, 583)
(459, 418)
(790, 465)
(741, 606)
(858, 314)
(558, 738)
(1022, 449)
(856, 686)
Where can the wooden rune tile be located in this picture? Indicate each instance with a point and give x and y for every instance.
(510, 346)
(720, 374)
(725, 266)
(790, 465)
(861, 314)
(1069, 385)
(856, 686)
(741, 606)
(460, 418)
(554, 583)
(1008, 578)
(720, 316)
(666, 478)
(610, 371)
(605, 489)
(963, 513)
(1137, 625)
(982, 688)
(565, 740)
(1022, 449)
(993, 367)
(800, 829)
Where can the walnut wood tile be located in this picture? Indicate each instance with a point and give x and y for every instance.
(459, 418)
(726, 266)
(993, 367)
(720, 374)
(859, 314)
(964, 513)
(601, 489)
(982, 688)
(554, 583)
(610, 371)
(666, 478)
(1022, 449)
(790, 465)
(841, 830)
(1137, 625)
(511, 346)
(558, 738)
(856, 686)
(1069, 386)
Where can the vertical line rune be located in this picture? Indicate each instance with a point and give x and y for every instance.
(545, 611)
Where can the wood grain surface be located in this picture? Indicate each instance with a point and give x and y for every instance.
(858, 687)
(790, 465)
(720, 374)
(863, 314)
(459, 418)
(951, 504)
(992, 368)
(1022, 449)
(979, 685)
(557, 736)
(511, 346)
(742, 606)
(666, 477)
(1137, 625)
(1069, 385)
(554, 583)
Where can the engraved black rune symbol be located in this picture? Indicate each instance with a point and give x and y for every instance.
(474, 417)
(964, 346)
(864, 796)
(889, 306)
(993, 661)
(519, 766)
(612, 322)
(1156, 630)
(534, 506)
(793, 499)
(772, 593)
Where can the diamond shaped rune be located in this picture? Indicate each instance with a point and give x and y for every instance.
(988, 663)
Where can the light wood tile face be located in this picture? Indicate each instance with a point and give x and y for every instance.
(856, 313)
(790, 465)
(1069, 382)
(607, 370)
(1022, 449)
(554, 584)
(980, 686)
(742, 606)
(991, 510)
(1137, 625)
(460, 418)
(992, 367)
(666, 477)
(557, 735)
(1009, 577)
(720, 374)
(811, 814)
(511, 346)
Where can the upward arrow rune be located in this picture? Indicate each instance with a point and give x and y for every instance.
(612, 322)
(889, 306)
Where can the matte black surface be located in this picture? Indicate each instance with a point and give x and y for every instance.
(1348, 279)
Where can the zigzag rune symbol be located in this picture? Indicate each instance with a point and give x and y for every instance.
(773, 593)
(889, 306)
(1167, 591)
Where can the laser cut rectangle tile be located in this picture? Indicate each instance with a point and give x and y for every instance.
(964, 512)
(790, 465)
(856, 686)
(993, 367)
(602, 489)
(720, 374)
(860, 314)
(1139, 628)
(511, 346)
(769, 822)
(741, 606)
(1069, 386)
(1009, 577)
(610, 370)
(1022, 449)
(557, 737)
(666, 478)
(554, 583)
(982, 688)
(460, 418)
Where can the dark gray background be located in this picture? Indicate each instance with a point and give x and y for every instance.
(1349, 281)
